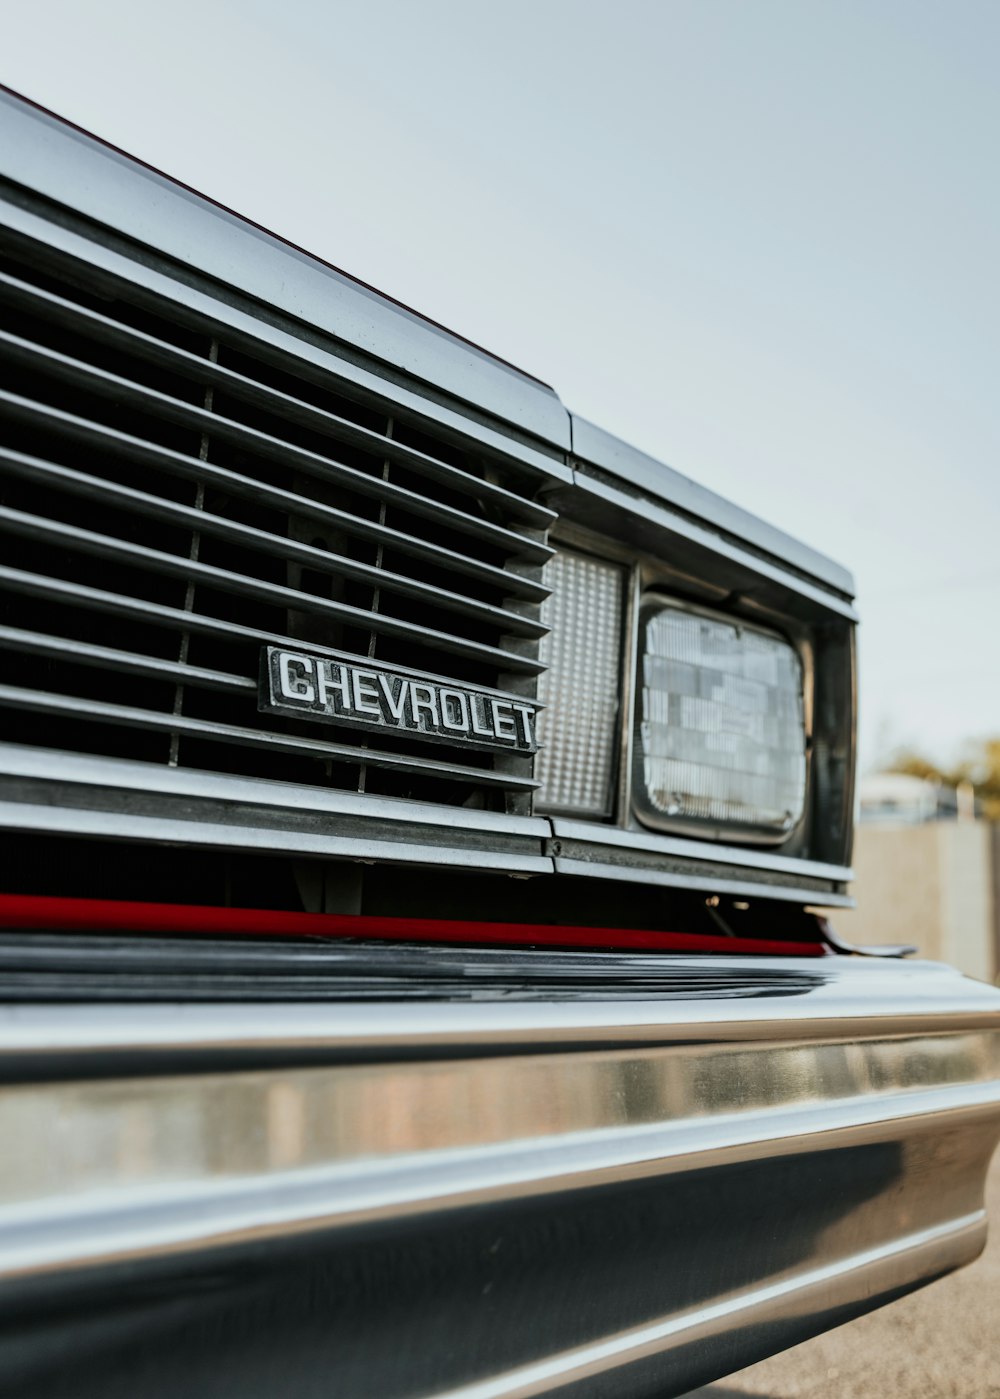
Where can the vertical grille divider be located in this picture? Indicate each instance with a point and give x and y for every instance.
(208, 400)
(376, 594)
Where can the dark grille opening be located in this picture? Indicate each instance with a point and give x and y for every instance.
(411, 436)
(271, 424)
(246, 563)
(305, 389)
(272, 766)
(81, 681)
(68, 343)
(38, 497)
(446, 581)
(48, 390)
(102, 738)
(221, 653)
(82, 293)
(390, 651)
(86, 625)
(79, 571)
(192, 501)
(33, 438)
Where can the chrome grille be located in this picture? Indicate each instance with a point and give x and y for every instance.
(173, 496)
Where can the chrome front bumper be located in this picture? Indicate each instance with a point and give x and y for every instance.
(500, 1197)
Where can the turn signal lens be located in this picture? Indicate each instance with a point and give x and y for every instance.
(578, 728)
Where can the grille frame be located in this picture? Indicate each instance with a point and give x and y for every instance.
(484, 514)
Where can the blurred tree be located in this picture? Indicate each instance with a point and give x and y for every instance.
(980, 766)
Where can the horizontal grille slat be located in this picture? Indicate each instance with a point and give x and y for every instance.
(154, 614)
(154, 507)
(34, 644)
(177, 494)
(12, 696)
(202, 371)
(186, 415)
(107, 546)
(102, 437)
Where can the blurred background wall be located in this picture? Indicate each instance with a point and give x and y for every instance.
(927, 872)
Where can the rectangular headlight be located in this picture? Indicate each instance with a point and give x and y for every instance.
(578, 728)
(720, 735)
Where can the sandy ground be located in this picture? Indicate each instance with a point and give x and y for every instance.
(940, 1343)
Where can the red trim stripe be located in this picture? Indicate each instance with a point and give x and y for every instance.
(28, 911)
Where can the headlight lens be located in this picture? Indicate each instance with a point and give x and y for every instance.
(578, 729)
(720, 732)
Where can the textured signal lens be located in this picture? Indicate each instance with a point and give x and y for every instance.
(580, 687)
(720, 731)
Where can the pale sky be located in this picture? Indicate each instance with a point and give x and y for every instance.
(758, 240)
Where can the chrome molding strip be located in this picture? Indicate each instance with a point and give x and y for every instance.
(666, 519)
(815, 895)
(50, 793)
(662, 482)
(594, 834)
(845, 1000)
(40, 968)
(122, 774)
(231, 835)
